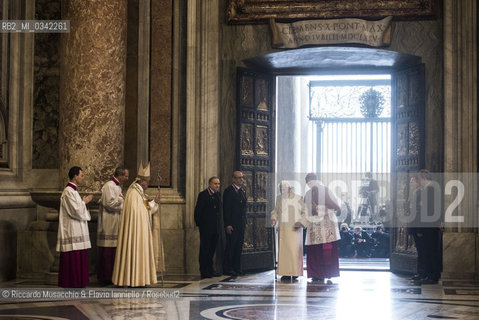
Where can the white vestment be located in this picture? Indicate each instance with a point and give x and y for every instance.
(322, 227)
(287, 212)
(134, 260)
(109, 214)
(73, 222)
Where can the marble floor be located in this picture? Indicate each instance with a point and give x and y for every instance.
(355, 295)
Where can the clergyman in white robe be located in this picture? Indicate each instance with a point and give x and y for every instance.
(109, 216)
(73, 239)
(288, 211)
(135, 260)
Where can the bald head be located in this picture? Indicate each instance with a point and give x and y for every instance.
(238, 178)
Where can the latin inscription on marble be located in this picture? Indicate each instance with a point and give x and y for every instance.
(335, 31)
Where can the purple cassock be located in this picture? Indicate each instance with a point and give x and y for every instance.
(73, 271)
(322, 260)
(106, 261)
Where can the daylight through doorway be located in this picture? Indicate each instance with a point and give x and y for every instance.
(340, 127)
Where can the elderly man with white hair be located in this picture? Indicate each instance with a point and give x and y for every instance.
(287, 214)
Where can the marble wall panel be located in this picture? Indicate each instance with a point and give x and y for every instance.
(46, 89)
(172, 216)
(465, 266)
(12, 221)
(192, 247)
(174, 246)
(161, 91)
(131, 94)
(8, 238)
(38, 249)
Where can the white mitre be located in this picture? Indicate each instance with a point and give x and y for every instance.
(143, 172)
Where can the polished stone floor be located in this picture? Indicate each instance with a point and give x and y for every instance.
(355, 295)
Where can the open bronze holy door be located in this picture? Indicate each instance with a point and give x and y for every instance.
(408, 156)
(255, 158)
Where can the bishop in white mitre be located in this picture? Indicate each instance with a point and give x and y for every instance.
(135, 258)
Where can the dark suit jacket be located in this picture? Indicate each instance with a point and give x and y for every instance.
(364, 235)
(234, 207)
(207, 211)
(431, 218)
(346, 239)
(425, 214)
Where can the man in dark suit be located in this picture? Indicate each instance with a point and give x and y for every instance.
(381, 243)
(207, 216)
(234, 213)
(345, 244)
(430, 230)
(362, 243)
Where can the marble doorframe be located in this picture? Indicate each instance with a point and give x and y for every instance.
(17, 209)
(199, 120)
(17, 178)
(202, 111)
(20, 94)
(19, 56)
(461, 133)
(173, 198)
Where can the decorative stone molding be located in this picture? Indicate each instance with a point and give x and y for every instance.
(15, 199)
